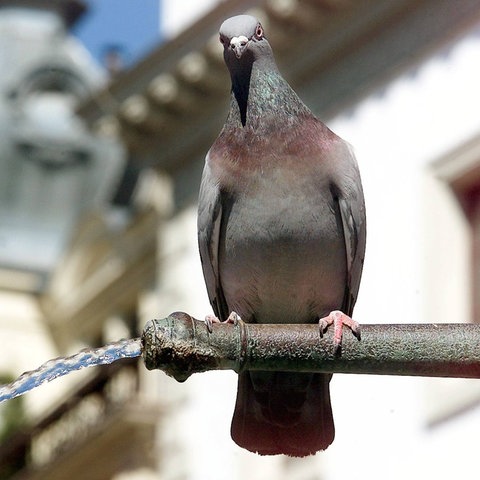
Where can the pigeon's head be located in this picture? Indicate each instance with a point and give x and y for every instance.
(242, 36)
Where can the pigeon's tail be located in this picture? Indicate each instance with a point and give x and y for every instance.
(283, 413)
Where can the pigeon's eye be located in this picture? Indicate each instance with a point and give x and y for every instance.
(259, 32)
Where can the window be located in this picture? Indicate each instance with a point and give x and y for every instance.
(452, 252)
(50, 79)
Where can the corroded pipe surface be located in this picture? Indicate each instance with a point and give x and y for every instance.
(181, 345)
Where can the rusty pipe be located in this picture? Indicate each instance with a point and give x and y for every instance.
(181, 345)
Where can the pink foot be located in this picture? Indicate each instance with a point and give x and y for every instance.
(338, 319)
(233, 318)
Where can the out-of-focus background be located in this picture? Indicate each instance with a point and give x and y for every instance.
(107, 108)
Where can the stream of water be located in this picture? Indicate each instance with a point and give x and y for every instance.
(57, 367)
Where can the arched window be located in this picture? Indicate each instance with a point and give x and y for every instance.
(50, 79)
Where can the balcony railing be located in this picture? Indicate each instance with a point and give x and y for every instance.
(75, 422)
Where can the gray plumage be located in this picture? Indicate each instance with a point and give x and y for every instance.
(281, 231)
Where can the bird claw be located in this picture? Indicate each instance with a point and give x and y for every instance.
(338, 319)
(209, 321)
(233, 318)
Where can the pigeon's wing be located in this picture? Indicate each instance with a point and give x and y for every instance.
(209, 222)
(348, 195)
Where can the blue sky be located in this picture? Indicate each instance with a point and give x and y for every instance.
(129, 25)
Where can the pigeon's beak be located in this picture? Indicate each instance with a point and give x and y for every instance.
(239, 45)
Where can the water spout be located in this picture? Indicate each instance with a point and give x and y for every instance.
(180, 345)
(57, 367)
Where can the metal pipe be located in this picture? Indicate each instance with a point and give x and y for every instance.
(181, 345)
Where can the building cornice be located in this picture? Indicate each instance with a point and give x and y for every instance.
(169, 107)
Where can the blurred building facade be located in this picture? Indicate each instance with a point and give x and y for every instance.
(398, 80)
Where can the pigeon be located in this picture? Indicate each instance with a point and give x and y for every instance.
(281, 233)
